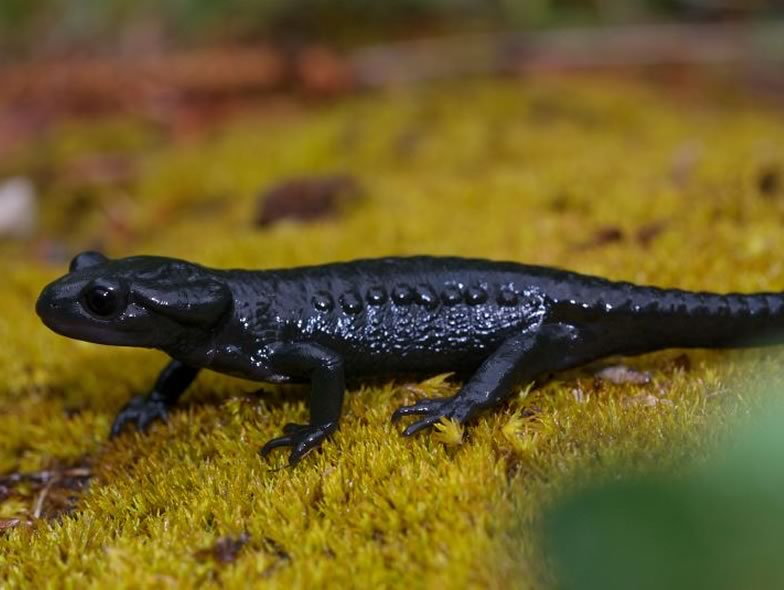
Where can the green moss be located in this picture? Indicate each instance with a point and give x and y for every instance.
(496, 170)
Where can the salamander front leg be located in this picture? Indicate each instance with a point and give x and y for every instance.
(521, 358)
(325, 369)
(142, 411)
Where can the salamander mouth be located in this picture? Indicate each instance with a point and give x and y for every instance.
(72, 328)
(95, 334)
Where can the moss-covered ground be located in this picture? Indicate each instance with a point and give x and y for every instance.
(604, 177)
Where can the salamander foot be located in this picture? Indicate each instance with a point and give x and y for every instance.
(141, 411)
(303, 437)
(433, 410)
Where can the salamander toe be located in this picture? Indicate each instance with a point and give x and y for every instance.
(141, 412)
(302, 437)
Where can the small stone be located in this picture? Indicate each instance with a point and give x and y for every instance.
(18, 208)
(621, 374)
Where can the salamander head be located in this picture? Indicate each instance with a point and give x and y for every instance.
(139, 301)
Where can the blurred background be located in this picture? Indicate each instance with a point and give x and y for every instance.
(183, 68)
(46, 27)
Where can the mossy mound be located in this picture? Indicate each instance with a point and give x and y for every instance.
(602, 177)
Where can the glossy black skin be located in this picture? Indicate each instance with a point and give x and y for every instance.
(499, 323)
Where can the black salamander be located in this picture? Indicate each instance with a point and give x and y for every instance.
(502, 323)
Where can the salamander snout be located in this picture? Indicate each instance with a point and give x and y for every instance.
(43, 304)
(47, 304)
(53, 307)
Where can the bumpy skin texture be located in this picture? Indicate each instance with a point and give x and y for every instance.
(498, 323)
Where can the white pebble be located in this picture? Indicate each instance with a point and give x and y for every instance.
(18, 207)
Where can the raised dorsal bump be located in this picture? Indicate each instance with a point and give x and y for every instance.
(322, 301)
(507, 297)
(426, 296)
(475, 295)
(403, 294)
(451, 295)
(351, 302)
(376, 295)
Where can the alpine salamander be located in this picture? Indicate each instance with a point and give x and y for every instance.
(501, 323)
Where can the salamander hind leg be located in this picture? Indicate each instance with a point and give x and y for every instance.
(521, 358)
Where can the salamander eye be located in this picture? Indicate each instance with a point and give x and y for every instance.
(103, 301)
